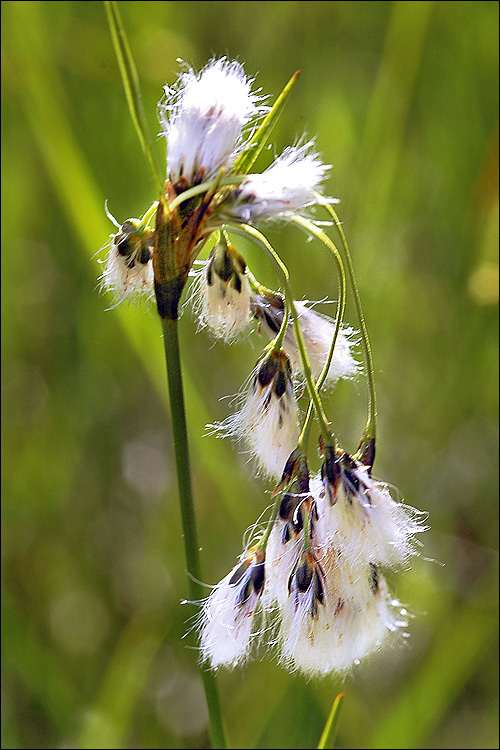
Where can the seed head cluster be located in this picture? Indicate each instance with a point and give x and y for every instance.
(311, 585)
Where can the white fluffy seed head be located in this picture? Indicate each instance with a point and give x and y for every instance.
(318, 331)
(354, 620)
(227, 615)
(221, 295)
(281, 558)
(361, 518)
(203, 117)
(334, 607)
(288, 186)
(267, 422)
(128, 269)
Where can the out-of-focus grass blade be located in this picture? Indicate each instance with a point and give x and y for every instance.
(259, 139)
(131, 85)
(386, 120)
(330, 731)
(35, 664)
(125, 677)
(446, 667)
(295, 719)
(80, 198)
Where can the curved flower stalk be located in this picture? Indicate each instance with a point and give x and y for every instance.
(317, 330)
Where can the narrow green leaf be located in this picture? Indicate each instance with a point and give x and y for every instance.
(131, 85)
(246, 160)
(330, 731)
(107, 722)
(38, 667)
(47, 112)
(461, 640)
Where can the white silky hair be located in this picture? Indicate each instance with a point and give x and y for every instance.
(125, 282)
(226, 626)
(203, 117)
(267, 425)
(352, 623)
(369, 526)
(317, 331)
(289, 185)
(220, 307)
(355, 615)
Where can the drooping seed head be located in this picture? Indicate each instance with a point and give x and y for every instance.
(317, 331)
(221, 295)
(267, 423)
(128, 270)
(227, 615)
(361, 517)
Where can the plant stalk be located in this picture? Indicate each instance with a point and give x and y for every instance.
(371, 425)
(181, 448)
(261, 241)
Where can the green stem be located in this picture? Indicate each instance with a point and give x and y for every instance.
(259, 288)
(204, 187)
(371, 425)
(304, 436)
(259, 239)
(246, 160)
(280, 336)
(149, 215)
(179, 429)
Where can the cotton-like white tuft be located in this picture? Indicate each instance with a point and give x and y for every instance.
(288, 186)
(267, 422)
(353, 621)
(227, 615)
(334, 608)
(281, 559)
(202, 119)
(128, 270)
(221, 297)
(362, 519)
(317, 332)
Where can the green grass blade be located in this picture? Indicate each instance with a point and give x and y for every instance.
(246, 160)
(131, 85)
(107, 722)
(47, 113)
(37, 666)
(387, 116)
(330, 731)
(449, 663)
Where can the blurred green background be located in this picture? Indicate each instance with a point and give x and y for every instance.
(403, 100)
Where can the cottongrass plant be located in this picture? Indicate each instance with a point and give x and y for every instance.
(310, 584)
